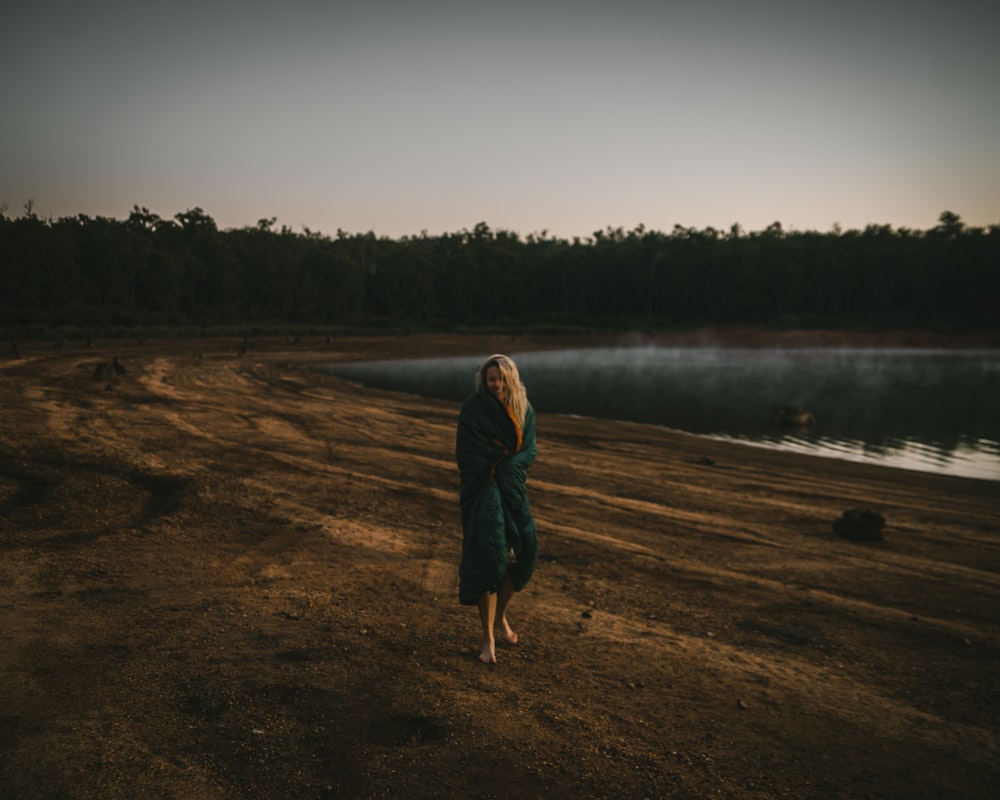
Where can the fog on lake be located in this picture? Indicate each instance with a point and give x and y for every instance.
(934, 410)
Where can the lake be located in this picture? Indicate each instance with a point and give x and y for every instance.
(924, 409)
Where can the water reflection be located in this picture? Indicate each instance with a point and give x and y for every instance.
(933, 410)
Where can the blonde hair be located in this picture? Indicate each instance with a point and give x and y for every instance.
(514, 394)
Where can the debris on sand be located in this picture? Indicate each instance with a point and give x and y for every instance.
(859, 525)
(791, 417)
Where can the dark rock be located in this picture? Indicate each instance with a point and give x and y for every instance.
(859, 525)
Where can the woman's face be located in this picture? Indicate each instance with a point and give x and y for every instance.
(494, 382)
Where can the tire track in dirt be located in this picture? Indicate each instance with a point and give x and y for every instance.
(297, 436)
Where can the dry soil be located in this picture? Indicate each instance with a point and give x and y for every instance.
(227, 576)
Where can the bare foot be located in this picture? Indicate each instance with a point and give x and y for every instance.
(508, 632)
(488, 655)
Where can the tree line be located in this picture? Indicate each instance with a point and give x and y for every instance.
(146, 270)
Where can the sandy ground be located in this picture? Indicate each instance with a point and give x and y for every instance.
(228, 576)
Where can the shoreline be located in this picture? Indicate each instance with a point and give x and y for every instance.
(964, 472)
(907, 456)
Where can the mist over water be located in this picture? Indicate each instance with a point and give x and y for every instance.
(934, 410)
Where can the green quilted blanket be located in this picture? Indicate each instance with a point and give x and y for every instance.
(498, 530)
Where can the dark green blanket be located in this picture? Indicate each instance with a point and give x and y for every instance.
(496, 517)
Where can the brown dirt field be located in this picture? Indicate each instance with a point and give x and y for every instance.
(232, 577)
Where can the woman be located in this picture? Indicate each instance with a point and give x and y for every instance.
(494, 446)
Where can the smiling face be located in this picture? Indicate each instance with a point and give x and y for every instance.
(494, 382)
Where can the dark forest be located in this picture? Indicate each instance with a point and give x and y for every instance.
(147, 272)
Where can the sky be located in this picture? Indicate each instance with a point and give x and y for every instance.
(549, 116)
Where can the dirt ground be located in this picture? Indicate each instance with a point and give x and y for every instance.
(230, 576)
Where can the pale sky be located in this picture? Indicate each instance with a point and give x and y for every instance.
(565, 116)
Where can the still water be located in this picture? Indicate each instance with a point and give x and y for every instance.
(933, 410)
